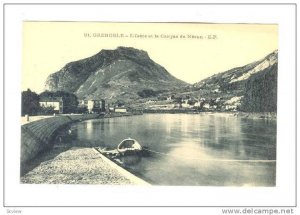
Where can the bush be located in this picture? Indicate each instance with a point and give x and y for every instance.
(47, 111)
(147, 93)
(82, 110)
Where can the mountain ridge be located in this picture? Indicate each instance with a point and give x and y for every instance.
(233, 88)
(130, 65)
(131, 76)
(237, 72)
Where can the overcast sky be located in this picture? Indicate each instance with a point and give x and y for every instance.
(189, 52)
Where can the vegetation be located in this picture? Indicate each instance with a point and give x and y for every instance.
(82, 110)
(30, 103)
(261, 92)
(46, 111)
(147, 93)
(120, 103)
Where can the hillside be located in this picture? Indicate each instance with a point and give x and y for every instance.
(242, 87)
(121, 74)
(249, 88)
(233, 80)
(260, 94)
(129, 76)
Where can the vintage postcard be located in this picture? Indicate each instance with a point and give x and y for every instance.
(111, 105)
(181, 104)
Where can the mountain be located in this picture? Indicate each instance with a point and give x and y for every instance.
(234, 79)
(251, 88)
(129, 75)
(124, 73)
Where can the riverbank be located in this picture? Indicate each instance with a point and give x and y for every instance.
(29, 119)
(76, 166)
(262, 115)
(38, 132)
(266, 116)
(37, 136)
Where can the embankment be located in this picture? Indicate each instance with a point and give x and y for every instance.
(37, 136)
(262, 115)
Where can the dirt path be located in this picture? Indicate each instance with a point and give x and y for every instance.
(75, 166)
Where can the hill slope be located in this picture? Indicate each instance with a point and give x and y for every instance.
(234, 79)
(124, 73)
(251, 88)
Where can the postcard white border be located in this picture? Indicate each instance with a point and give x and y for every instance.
(283, 194)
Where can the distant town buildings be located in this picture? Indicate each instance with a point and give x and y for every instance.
(188, 103)
(93, 105)
(98, 106)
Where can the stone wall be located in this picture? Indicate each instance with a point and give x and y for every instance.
(36, 136)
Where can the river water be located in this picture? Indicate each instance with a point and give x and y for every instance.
(191, 149)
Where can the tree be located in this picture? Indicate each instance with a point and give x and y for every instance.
(147, 93)
(46, 110)
(120, 103)
(191, 102)
(30, 103)
(82, 110)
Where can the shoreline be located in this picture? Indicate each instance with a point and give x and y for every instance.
(247, 115)
(77, 165)
(263, 115)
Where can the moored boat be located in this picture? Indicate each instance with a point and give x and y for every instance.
(128, 152)
(129, 146)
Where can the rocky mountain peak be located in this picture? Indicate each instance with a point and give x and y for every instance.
(113, 74)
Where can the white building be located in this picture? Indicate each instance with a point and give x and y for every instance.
(56, 103)
(90, 105)
(120, 110)
(207, 106)
(94, 105)
(197, 104)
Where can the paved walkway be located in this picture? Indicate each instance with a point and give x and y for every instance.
(25, 120)
(77, 166)
(28, 119)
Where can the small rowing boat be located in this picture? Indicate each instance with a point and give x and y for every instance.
(129, 146)
(128, 152)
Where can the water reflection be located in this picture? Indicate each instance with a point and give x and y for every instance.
(204, 149)
(89, 128)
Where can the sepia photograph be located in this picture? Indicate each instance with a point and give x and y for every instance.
(181, 104)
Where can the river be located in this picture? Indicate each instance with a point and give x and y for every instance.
(191, 149)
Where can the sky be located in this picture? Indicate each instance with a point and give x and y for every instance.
(188, 51)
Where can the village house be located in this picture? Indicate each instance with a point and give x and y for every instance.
(120, 109)
(206, 106)
(185, 103)
(54, 102)
(90, 105)
(169, 98)
(197, 104)
(93, 105)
